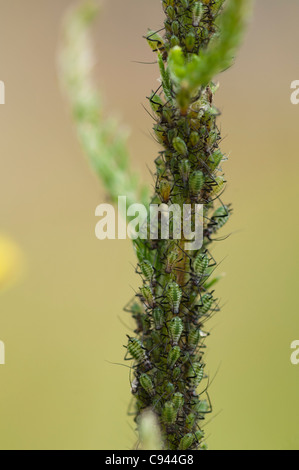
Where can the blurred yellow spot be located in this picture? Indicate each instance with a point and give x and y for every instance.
(10, 262)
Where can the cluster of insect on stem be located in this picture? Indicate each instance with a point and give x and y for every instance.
(177, 297)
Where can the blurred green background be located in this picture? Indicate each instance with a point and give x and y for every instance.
(62, 323)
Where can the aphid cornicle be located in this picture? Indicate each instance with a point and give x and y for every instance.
(175, 330)
(147, 384)
(186, 441)
(174, 296)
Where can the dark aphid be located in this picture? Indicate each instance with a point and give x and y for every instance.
(174, 296)
(173, 356)
(178, 401)
(175, 330)
(158, 317)
(186, 442)
(169, 413)
(147, 384)
(180, 146)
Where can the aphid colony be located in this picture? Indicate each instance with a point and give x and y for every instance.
(176, 297)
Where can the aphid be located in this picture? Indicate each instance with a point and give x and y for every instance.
(156, 102)
(175, 330)
(147, 297)
(196, 182)
(176, 373)
(165, 190)
(147, 270)
(197, 14)
(178, 400)
(171, 258)
(185, 169)
(190, 41)
(194, 138)
(220, 217)
(170, 388)
(174, 41)
(219, 184)
(180, 146)
(174, 295)
(206, 303)
(170, 12)
(215, 160)
(173, 356)
(190, 421)
(196, 374)
(137, 352)
(155, 41)
(199, 435)
(175, 27)
(202, 407)
(193, 338)
(169, 413)
(147, 384)
(200, 265)
(186, 442)
(158, 317)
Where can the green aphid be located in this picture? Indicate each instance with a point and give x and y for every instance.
(176, 373)
(147, 296)
(173, 356)
(170, 388)
(158, 318)
(174, 41)
(171, 258)
(215, 160)
(147, 384)
(174, 296)
(190, 41)
(175, 330)
(155, 41)
(194, 138)
(185, 4)
(196, 182)
(197, 14)
(195, 374)
(147, 270)
(221, 216)
(178, 400)
(185, 169)
(175, 27)
(202, 407)
(156, 103)
(193, 338)
(199, 435)
(136, 350)
(219, 185)
(160, 133)
(190, 421)
(186, 441)
(180, 146)
(201, 264)
(206, 303)
(169, 413)
(170, 12)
